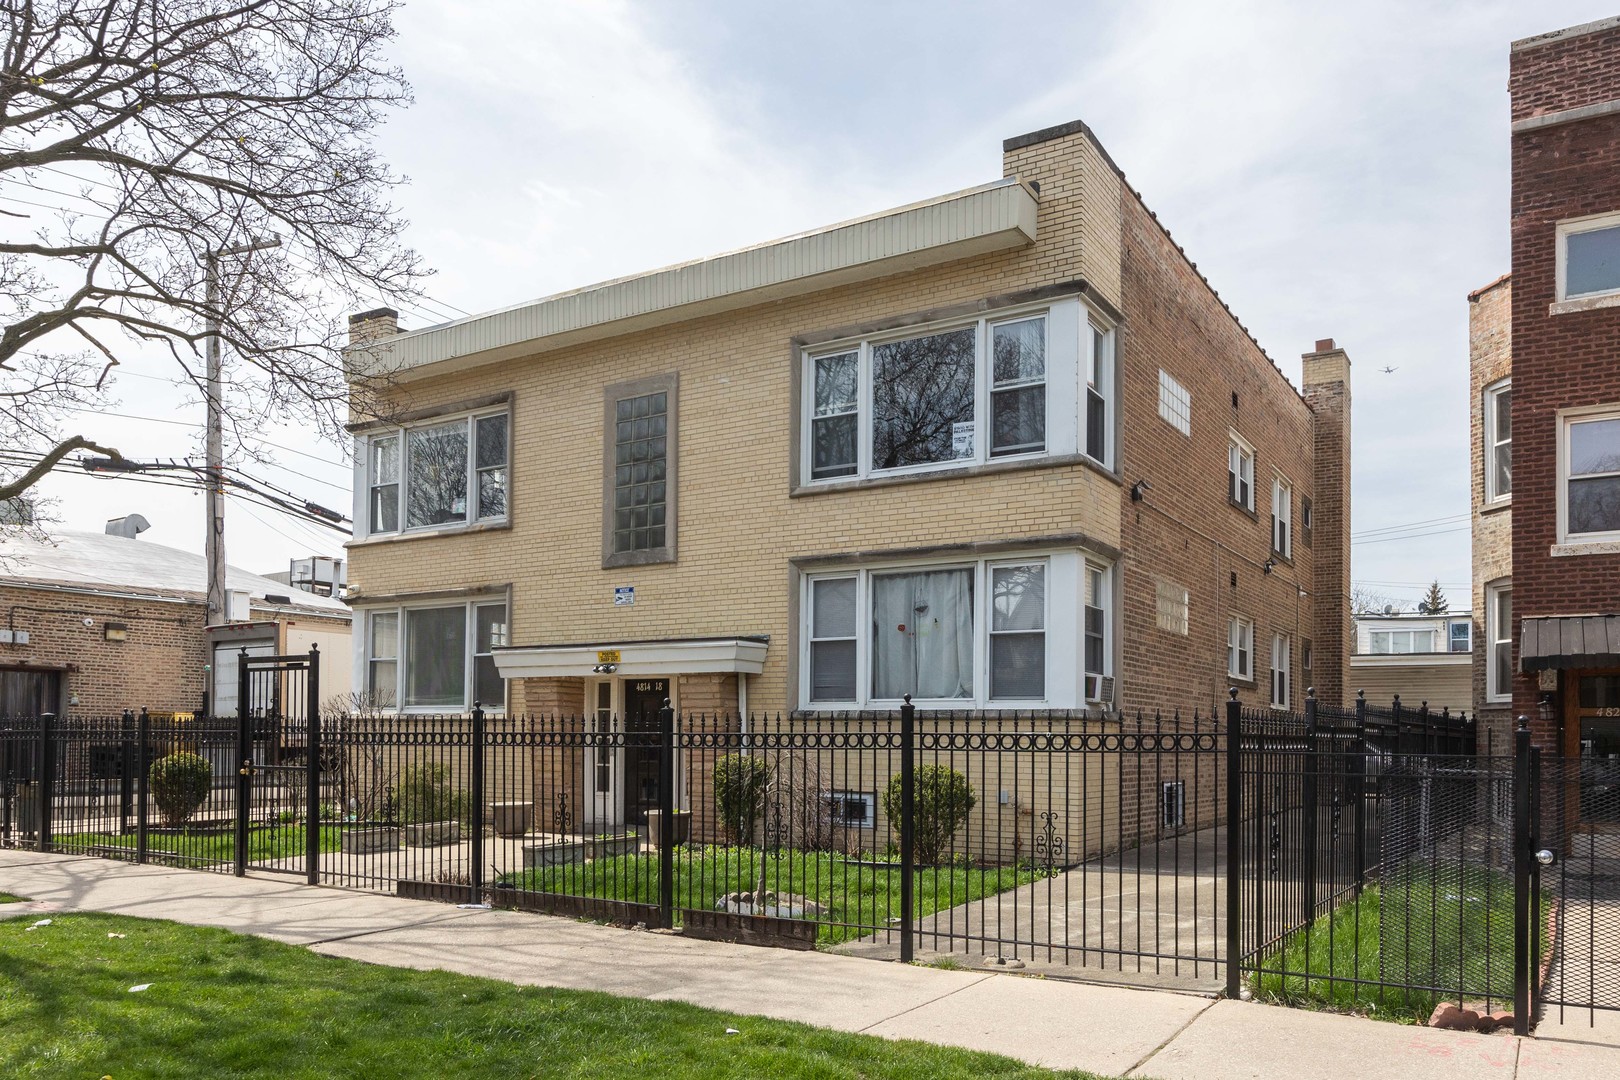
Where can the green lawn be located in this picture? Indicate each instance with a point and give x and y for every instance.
(1448, 928)
(7, 898)
(274, 842)
(858, 899)
(220, 1004)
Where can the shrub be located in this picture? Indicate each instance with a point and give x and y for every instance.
(180, 783)
(426, 794)
(942, 801)
(740, 783)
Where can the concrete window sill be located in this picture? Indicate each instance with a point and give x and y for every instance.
(1583, 303)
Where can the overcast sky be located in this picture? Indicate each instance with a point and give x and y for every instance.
(1336, 171)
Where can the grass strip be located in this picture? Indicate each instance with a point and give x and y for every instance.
(222, 1004)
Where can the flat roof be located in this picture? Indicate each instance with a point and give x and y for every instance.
(998, 216)
(101, 563)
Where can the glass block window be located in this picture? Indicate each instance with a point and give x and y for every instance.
(1171, 602)
(1175, 403)
(640, 456)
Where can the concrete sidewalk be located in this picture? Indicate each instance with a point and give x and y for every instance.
(1111, 1030)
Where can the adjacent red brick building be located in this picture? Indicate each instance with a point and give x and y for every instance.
(1552, 627)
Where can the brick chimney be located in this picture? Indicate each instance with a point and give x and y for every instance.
(369, 326)
(1327, 391)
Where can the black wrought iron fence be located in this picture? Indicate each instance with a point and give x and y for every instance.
(1355, 856)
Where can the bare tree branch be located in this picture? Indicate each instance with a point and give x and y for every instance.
(31, 477)
(188, 126)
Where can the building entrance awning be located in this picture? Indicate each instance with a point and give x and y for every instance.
(673, 656)
(1569, 641)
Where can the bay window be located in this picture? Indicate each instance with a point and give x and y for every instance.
(957, 634)
(1013, 384)
(435, 658)
(436, 474)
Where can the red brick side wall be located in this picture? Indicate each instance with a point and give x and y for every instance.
(159, 665)
(1560, 361)
(1564, 73)
(1186, 532)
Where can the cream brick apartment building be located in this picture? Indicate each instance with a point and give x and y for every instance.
(1002, 449)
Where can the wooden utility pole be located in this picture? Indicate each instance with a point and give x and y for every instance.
(214, 544)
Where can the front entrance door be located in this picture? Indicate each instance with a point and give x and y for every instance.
(1592, 737)
(643, 698)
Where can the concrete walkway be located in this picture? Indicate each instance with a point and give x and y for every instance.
(1110, 1030)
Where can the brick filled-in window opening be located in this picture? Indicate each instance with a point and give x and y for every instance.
(640, 459)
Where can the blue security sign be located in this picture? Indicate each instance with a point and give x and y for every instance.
(624, 596)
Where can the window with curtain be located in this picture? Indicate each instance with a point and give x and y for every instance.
(922, 634)
(382, 667)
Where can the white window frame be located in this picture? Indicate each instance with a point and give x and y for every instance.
(1467, 625)
(372, 658)
(401, 612)
(1388, 636)
(1063, 629)
(1282, 516)
(1497, 635)
(1175, 403)
(1567, 419)
(1574, 226)
(363, 489)
(1282, 677)
(1240, 648)
(1240, 460)
(1490, 441)
(1071, 360)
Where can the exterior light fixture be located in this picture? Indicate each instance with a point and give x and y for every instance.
(115, 631)
(605, 669)
(1271, 564)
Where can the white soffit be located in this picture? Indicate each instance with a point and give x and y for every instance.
(697, 657)
(998, 216)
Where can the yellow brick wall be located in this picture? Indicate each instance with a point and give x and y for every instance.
(738, 527)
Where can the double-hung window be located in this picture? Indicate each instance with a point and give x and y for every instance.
(1282, 517)
(1499, 638)
(1015, 384)
(1240, 648)
(1281, 659)
(976, 632)
(1589, 477)
(1498, 440)
(436, 658)
(1240, 473)
(1588, 263)
(436, 474)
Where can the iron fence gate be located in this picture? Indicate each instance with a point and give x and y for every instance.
(1575, 884)
(278, 751)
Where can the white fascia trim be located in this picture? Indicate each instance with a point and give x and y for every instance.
(998, 216)
(646, 658)
(1458, 659)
